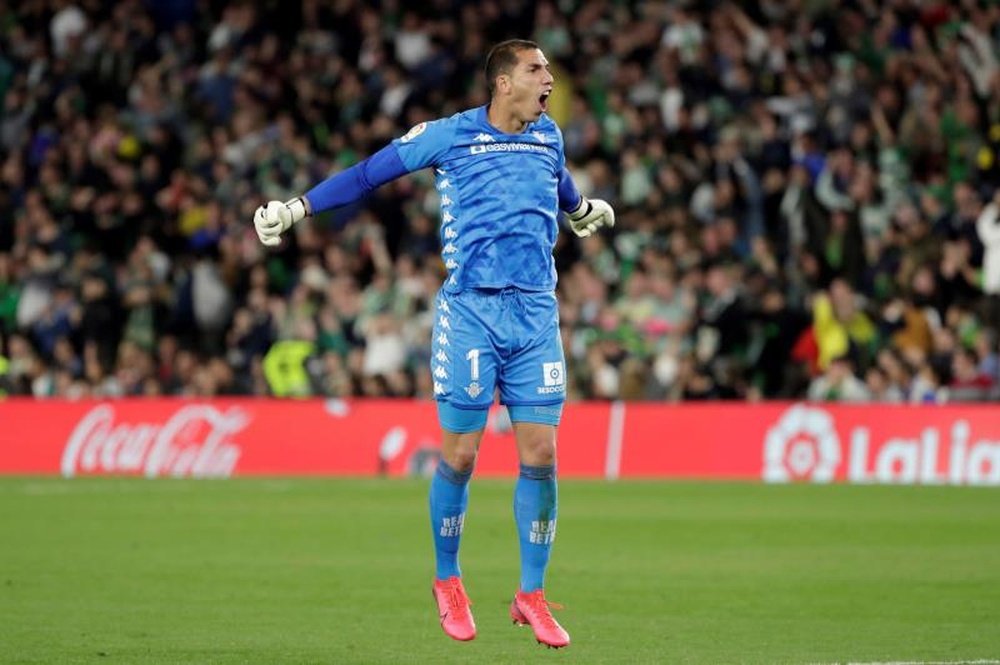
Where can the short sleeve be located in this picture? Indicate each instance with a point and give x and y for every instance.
(425, 144)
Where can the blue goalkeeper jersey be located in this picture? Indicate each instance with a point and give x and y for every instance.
(499, 198)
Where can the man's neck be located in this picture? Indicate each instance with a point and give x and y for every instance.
(503, 119)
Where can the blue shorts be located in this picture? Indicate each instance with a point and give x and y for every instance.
(486, 339)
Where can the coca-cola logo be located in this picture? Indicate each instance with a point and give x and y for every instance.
(802, 445)
(195, 441)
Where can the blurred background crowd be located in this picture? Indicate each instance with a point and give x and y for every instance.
(804, 193)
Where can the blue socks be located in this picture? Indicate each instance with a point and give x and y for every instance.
(535, 508)
(448, 499)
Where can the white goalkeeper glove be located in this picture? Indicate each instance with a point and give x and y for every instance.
(591, 215)
(273, 219)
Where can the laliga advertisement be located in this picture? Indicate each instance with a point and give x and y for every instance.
(782, 443)
(772, 442)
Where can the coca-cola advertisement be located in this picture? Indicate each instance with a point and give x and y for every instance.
(222, 438)
(774, 442)
(197, 440)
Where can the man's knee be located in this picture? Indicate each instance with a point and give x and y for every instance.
(539, 453)
(462, 457)
(463, 429)
(536, 443)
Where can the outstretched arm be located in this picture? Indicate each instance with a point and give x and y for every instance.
(356, 182)
(585, 215)
(422, 146)
(342, 188)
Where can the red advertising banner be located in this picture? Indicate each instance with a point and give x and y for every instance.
(220, 438)
(774, 442)
(954, 445)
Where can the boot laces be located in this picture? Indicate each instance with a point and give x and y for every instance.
(458, 602)
(540, 606)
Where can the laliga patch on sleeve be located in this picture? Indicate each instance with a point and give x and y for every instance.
(414, 132)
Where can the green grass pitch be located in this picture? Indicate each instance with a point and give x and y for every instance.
(338, 571)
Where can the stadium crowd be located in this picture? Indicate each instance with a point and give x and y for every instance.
(805, 193)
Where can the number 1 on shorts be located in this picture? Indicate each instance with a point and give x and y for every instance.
(473, 357)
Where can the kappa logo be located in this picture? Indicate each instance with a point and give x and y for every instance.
(414, 132)
(483, 138)
(802, 445)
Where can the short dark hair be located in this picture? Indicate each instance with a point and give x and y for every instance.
(502, 59)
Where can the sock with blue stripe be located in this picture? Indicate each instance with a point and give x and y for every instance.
(448, 498)
(535, 507)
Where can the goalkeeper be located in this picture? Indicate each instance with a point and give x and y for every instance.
(501, 175)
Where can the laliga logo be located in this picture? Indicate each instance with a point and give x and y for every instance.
(803, 445)
(195, 441)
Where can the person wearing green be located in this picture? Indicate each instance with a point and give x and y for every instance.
(285, 368)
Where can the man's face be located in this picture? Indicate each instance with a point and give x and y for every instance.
(530, 85)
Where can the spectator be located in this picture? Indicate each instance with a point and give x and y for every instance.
(968, 383)
(839, 325)
(839, 383)
(988, 228)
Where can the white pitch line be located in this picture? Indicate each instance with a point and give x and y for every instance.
(921, 662)
(616, 430)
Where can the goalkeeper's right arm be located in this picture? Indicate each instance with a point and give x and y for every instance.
(276, 217)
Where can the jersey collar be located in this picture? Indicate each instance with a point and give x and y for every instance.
(484, 119)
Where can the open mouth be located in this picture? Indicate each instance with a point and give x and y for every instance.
(543, 101)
